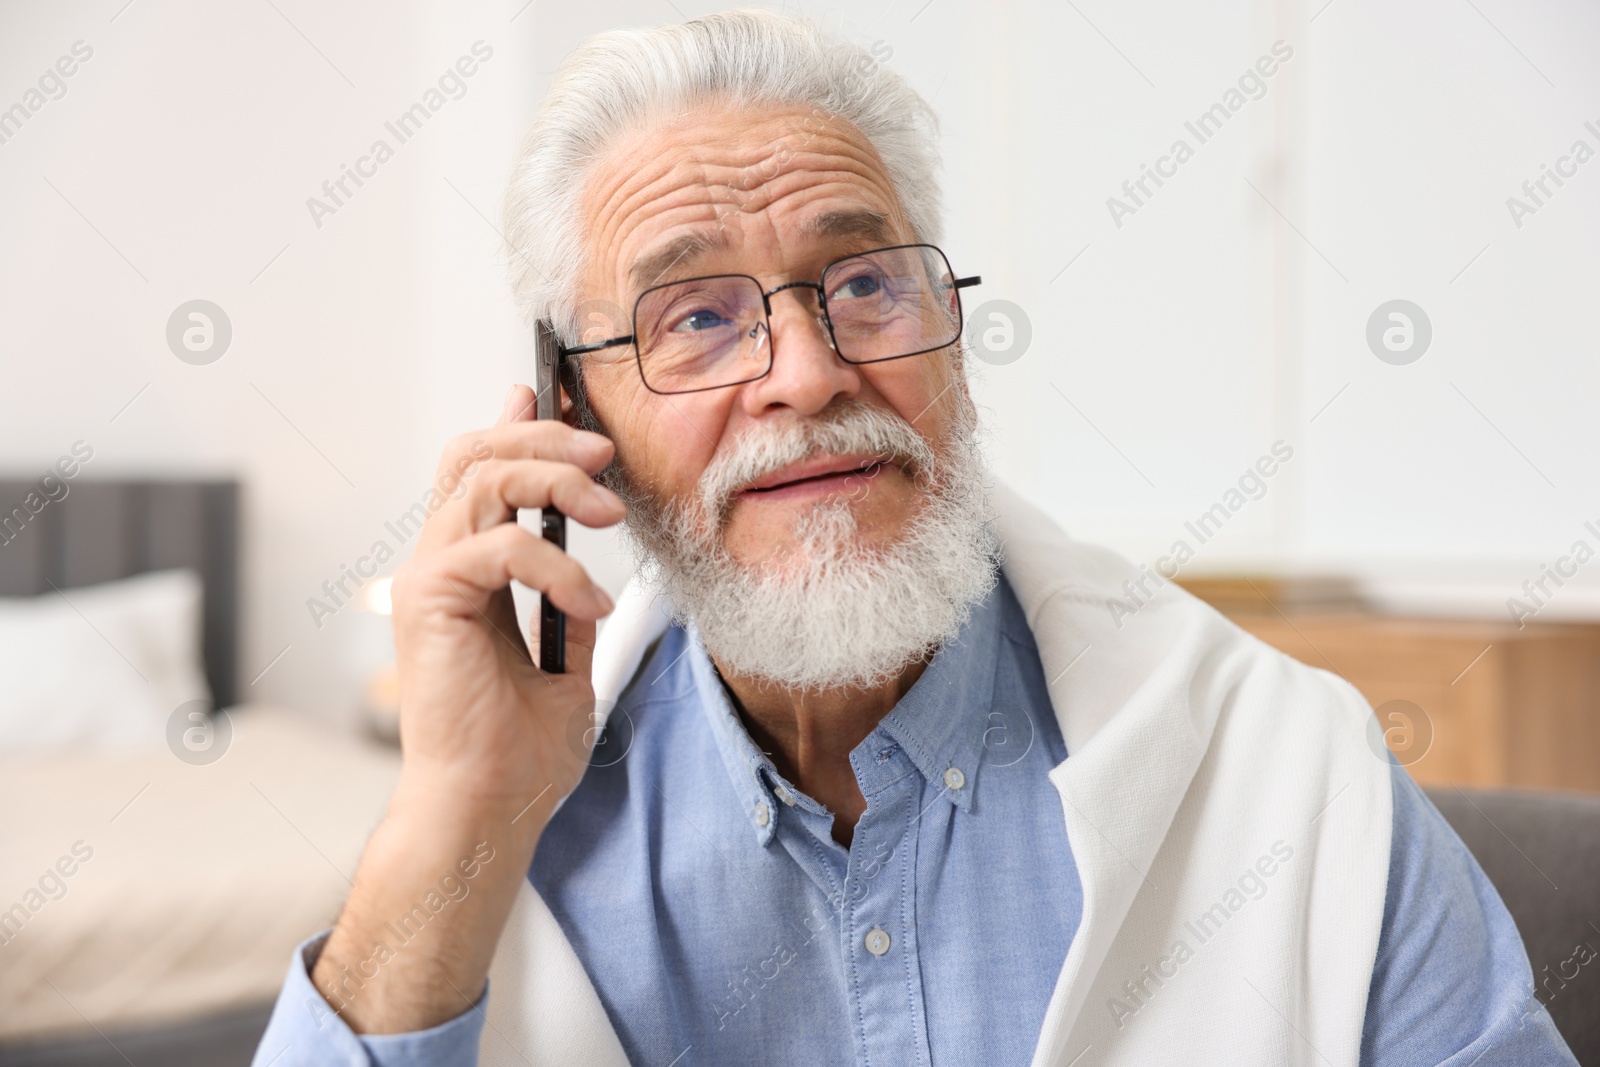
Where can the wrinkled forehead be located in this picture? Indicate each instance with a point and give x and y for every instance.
(773, 187)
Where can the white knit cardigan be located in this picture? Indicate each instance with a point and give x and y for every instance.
(1229, 822)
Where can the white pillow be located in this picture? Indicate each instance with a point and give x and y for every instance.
(71, 664)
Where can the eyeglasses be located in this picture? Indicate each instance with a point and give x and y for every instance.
(716, 331)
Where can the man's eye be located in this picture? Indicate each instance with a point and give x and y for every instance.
(859, 286)
(697, 321)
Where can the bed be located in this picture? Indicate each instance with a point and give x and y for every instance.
(171, 892)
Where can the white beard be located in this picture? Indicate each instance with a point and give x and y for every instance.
(831, 612)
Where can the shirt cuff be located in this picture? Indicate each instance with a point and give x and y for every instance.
(306, 1031)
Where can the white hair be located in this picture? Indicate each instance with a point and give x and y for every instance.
(621, 80)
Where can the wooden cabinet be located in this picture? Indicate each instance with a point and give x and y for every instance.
(1461, 702)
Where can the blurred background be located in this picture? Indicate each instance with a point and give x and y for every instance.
(1371, 267)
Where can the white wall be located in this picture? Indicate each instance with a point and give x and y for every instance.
(1425, 118)
(1185, 342)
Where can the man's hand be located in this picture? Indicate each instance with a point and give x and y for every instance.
(486, 735)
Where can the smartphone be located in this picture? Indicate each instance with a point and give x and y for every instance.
(553, 524)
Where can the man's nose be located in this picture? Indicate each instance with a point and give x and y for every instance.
(807, 374)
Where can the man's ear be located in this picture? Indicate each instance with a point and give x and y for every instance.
(567, 385)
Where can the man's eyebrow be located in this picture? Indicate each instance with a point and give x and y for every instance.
(649, 270)
(872, 225)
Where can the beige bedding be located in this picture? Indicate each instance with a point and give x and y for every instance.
(193, 895)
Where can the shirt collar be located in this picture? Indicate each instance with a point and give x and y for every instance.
(749, 769)
(939, 724)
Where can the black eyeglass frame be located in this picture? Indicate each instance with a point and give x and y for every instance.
(956, 284)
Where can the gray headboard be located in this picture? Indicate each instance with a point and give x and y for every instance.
(104, 530)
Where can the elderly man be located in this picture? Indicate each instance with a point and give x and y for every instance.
(878, 780)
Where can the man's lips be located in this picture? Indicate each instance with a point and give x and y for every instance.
(821, 469)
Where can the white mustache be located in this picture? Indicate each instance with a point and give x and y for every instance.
(853, 427)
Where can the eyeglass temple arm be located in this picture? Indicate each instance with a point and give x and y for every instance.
(964, 283)
(597, 346)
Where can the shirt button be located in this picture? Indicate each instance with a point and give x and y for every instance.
(954, 778)
(877, 941)
(785, 796)
(763, 816)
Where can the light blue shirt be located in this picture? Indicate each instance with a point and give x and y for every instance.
(721, 923)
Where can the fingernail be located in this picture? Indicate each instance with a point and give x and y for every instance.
(603, 495)
(603, 599)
